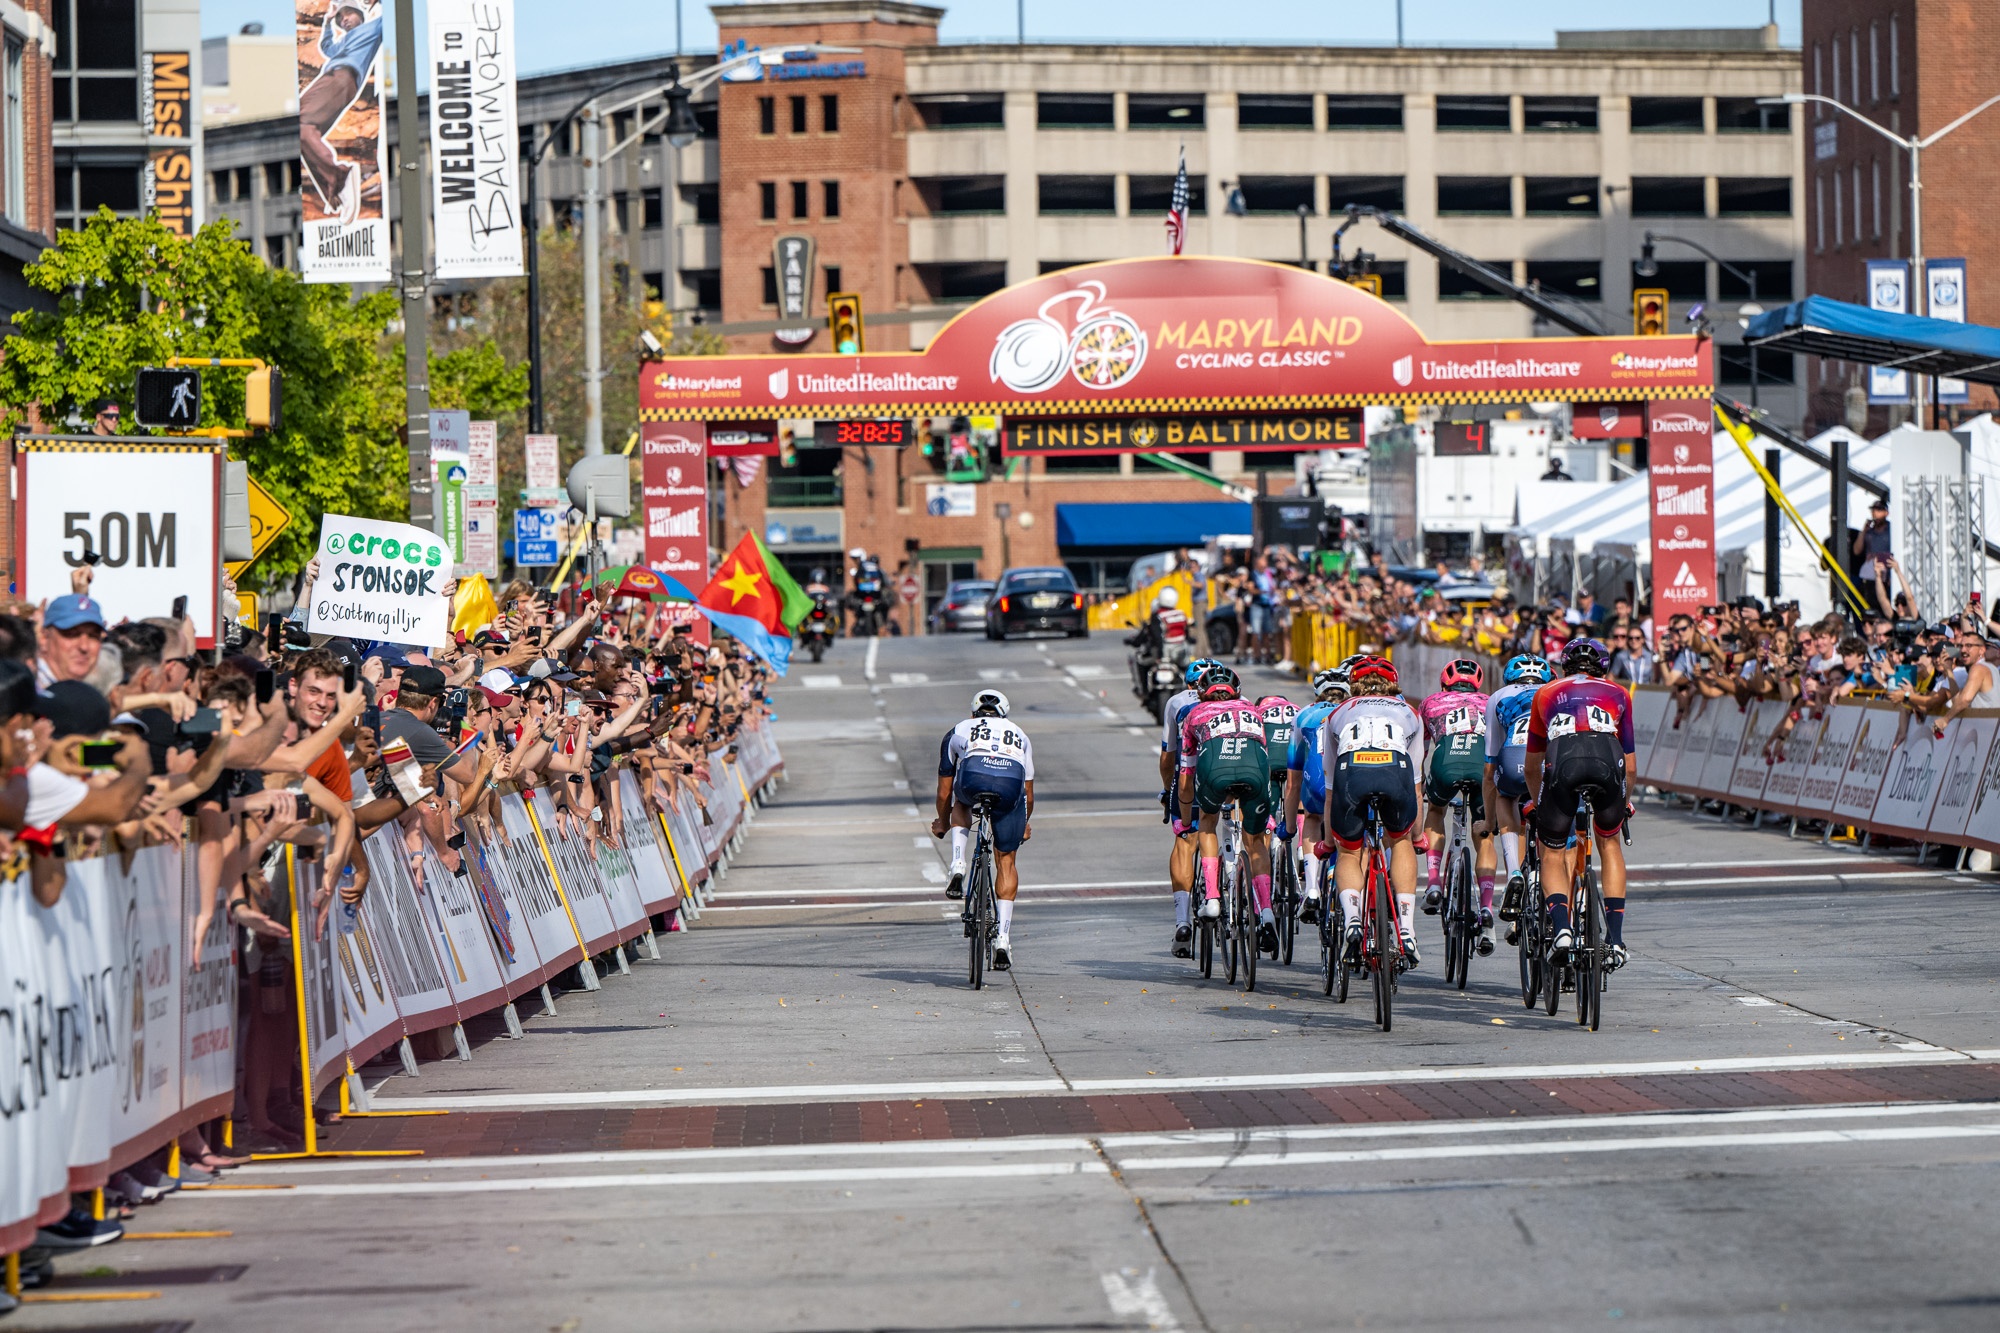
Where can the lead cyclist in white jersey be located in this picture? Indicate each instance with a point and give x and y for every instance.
(987, 755)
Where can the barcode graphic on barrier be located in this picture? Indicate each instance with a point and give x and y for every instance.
(673, 523)
(1674, 500)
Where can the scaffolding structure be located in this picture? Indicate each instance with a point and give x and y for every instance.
(1944, 540)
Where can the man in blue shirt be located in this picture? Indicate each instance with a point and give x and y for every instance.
(350, 40)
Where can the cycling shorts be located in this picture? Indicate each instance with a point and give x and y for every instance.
(1002, 779)
(1312, 795)
(1453, 764)
(1386, 775)
(1592, 762)
(1243, 777)
(1510, 774)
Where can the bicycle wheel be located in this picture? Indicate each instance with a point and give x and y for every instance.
(1590, 975)
(1285, 901)
(1205, 949)
(1329, 949)
(1247, 929)
(1231, 945)
(1464, 911)
(1533, 915)
(1388, 948)
(1552, 980)
(982, 920)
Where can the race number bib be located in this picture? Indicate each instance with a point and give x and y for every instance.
(1562, 724)
(1517, 735)
(1465, 722)
(1369, 733)
(1600, 719)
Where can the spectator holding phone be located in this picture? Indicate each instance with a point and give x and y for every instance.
(1875, 550)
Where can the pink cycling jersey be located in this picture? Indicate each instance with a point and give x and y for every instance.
(1222, 717)
(1452, 712)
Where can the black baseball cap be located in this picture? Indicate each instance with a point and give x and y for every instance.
(74, 709)
(425, 680)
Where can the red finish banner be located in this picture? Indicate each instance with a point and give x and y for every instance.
(1681, 478)
(1173, 335)
(673, 476)
(1608, 421)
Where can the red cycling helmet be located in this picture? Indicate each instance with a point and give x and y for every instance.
(1380, 667)
(1463, 674)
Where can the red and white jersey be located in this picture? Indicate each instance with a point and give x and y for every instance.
(1371, 722)
(1173, 624)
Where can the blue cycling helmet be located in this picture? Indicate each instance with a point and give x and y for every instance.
(1195, 668)
(1527, 667)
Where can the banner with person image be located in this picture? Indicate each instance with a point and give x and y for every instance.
(341, 145)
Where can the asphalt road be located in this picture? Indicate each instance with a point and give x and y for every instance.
(802, 1119)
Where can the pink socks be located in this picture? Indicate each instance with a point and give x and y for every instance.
(1432, 858)
(1486, 890)
(1211, 876)
(1260, 889)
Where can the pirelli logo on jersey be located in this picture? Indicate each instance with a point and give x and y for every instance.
(1373, 757)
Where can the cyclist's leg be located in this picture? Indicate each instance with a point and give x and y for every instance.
(1555, 829)
(1437, 802)
(1180, 873)
(1310, 834)
(1010, 827)
(1210, 855)
(1611, 878)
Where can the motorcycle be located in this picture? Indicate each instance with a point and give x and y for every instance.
(869, 609)
(1156, 676)
(817, 628)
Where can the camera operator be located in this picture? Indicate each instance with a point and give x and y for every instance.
(1872, 544)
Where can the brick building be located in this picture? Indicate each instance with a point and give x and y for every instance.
(27, 183)
(1912, 66)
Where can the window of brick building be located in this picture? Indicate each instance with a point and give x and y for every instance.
(767, 200)
(801, 200)
(798, 105)
(767, 115)
(829, 199)
(770, 284)
(829, 113)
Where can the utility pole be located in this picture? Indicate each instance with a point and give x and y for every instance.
(593, 287)
(416, 306)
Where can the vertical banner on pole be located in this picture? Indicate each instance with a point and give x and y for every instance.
(340, 141)
(482, 501)
(170, 184)
(673, 462)
(1681, 464)
(1889, 289)
(475, 144)
(451, 469)
(1945, 279)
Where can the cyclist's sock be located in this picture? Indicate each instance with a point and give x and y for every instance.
(1432, 859)
(1614, 921)
(1266, 918)
(1510, 853)
(1183, 907)
(1260, 889)
(1350, 904)
(1486, 890)
(958, 836)
(1006, 906)
(1406, 907)
(1314, 866)
(1558, 915)
(1211, 876)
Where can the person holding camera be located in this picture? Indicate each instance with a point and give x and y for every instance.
(1872, 544)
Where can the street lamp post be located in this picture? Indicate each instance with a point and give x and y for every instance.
(1648, 266)
(1914, 146)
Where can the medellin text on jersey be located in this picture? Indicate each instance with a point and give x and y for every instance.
(1172, 715)
(1507, 711)
(991, 737)
(1230, 721)
(1371, 722)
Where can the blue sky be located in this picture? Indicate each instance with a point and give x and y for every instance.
(557, 34)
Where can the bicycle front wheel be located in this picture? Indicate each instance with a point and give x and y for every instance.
(1388, 948)
(1287, 905)
(1247, 927)
(1590, 971)
(1464, 916)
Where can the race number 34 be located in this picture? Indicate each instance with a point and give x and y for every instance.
(144, 541)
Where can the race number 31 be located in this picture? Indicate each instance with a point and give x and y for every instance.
(144, 541)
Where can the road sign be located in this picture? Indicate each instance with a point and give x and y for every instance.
(543, 462)
(168, 397)
(909, 589)
(536, 537)
(268, 518)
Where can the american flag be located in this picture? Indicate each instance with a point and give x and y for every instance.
(1177, 207)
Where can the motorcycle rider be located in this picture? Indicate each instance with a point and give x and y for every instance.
(865, 574)
(824, 619)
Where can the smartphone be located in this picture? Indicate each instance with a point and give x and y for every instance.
(347, 677)
(205, 722)
(371, 718)
(266, 682)
(572, 708)
(180, 608)
(93, 558)
(303, 810)
(98, 754)
(274, 633)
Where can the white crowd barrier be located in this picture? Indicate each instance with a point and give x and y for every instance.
(118, 1032)
(1865, 763)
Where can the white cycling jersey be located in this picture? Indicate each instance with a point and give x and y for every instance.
(1371, 722)
(1171, 716)
(987, 737)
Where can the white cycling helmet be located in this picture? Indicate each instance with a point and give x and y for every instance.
(990, 703)
(1168, 597)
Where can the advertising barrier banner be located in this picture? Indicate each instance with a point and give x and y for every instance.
(1875, 738)
(1731, 720)
(541, 906)
(1982, 826)
(1788, 774)
(1753, 763)
(1909, 782)
(1968, 750)
(459, 934)
(1652, 713)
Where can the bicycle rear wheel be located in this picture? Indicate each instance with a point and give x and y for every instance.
(1388, 948)
(1246, 924)
(982, 920)
(1231, 945)
(1552, 979)
(1205, 948)
(1329, 949)
(1590, 974)
(1285, 902)
(1464, 917)
(1533, 916)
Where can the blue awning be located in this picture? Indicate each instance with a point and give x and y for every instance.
(1821, 326)
(1154, 526)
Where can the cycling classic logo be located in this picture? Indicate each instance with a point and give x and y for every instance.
(1100, 347)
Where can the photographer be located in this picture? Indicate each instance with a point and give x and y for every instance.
(1873, 547)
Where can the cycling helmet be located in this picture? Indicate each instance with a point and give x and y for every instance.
(1527, 667)
(1270, 699)
(1586, 657)
(990, 703)
(1462, 674)
(1192, 675)
(1168, 598)
(1218, 682)
(1373, 668)
(1330, 683)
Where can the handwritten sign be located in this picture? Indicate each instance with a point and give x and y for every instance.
(381, 581)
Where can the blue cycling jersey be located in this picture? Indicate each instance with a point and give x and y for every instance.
(1507, 711)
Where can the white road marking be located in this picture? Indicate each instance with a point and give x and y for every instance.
(999, 673)
(900, 784)
(909, 678)
(1993, 1054)
(726, 895)
(1107, 712)
(1087, 670)
(1136, 1295)
(868, 663)
(931, 871)
(922, 842)
(1849, 860)
(1754, 1001)
(808, 1176)
(820, 682)
(1033, 1087)
(952, 914)
(889, 757)
(1135, 731)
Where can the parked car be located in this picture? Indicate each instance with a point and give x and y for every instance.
(963, 606)
(1042, 600)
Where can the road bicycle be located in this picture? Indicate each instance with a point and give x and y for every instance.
(1239, 912)
(1382, 955)
(982, 914)
(1587, 965)
(1534, 922)
(1461, 908)
(1286, 893)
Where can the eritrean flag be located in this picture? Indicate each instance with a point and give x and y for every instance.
(753, 585)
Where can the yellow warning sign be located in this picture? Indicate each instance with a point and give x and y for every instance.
(268, 518)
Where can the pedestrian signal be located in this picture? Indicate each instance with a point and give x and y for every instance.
(168, 398)
(843, 321)
(1649, 312)
(1368, 282)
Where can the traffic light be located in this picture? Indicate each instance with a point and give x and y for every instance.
(1649, 312)
(1368, 282)
(168, 397)
(843, 321)
(263, 399)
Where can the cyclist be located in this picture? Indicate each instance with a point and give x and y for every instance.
(1223, 759)
(1455, 724)
(1506, 760)
(1280, 725)
(1368, 742)
(1180, 863)
(1580, 740)
(1305, 780)
(986, 755)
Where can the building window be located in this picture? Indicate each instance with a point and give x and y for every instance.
(1854, 69)
(767, 115)
(1067, 111)
(829, 113)
(1895, 55)
(801, 200)
(770, 284)
(961, 282)
(1285, 111)
(1875, 177)
(1839, 231)
(14, 136)
(707, 201)
(1578, 279)
(1819, 213)
(959, 111)
(767, 200)
(1819, 82)
(1835, 53)
(1763, 196)
(1384, 192)
(1364, 113)
(1774, 280)
(1874, 62)
(1155, 194)
(1857, 202)
(1666, 115)
(1473, 113)
(1558, 113)
(706, 284)
(1548, 195)
(1395, 276)
(1668, 197)
(1277, 194)
(655, 205)
(798, 105)
(1492, 195)
(1165, 111)
(945, 195)
(1456, 286)
(1742, 115)
(274, 250)
(1077, 194)
(829, 199)
(833, 279)
(654, 286)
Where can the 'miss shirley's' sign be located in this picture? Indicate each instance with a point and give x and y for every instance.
(381, 581)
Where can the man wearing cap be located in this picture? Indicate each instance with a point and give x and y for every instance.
(1872, 544)
(72, 635)
(410, 721)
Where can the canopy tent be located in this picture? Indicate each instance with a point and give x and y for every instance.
(1820, 326)
(1157, 525)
